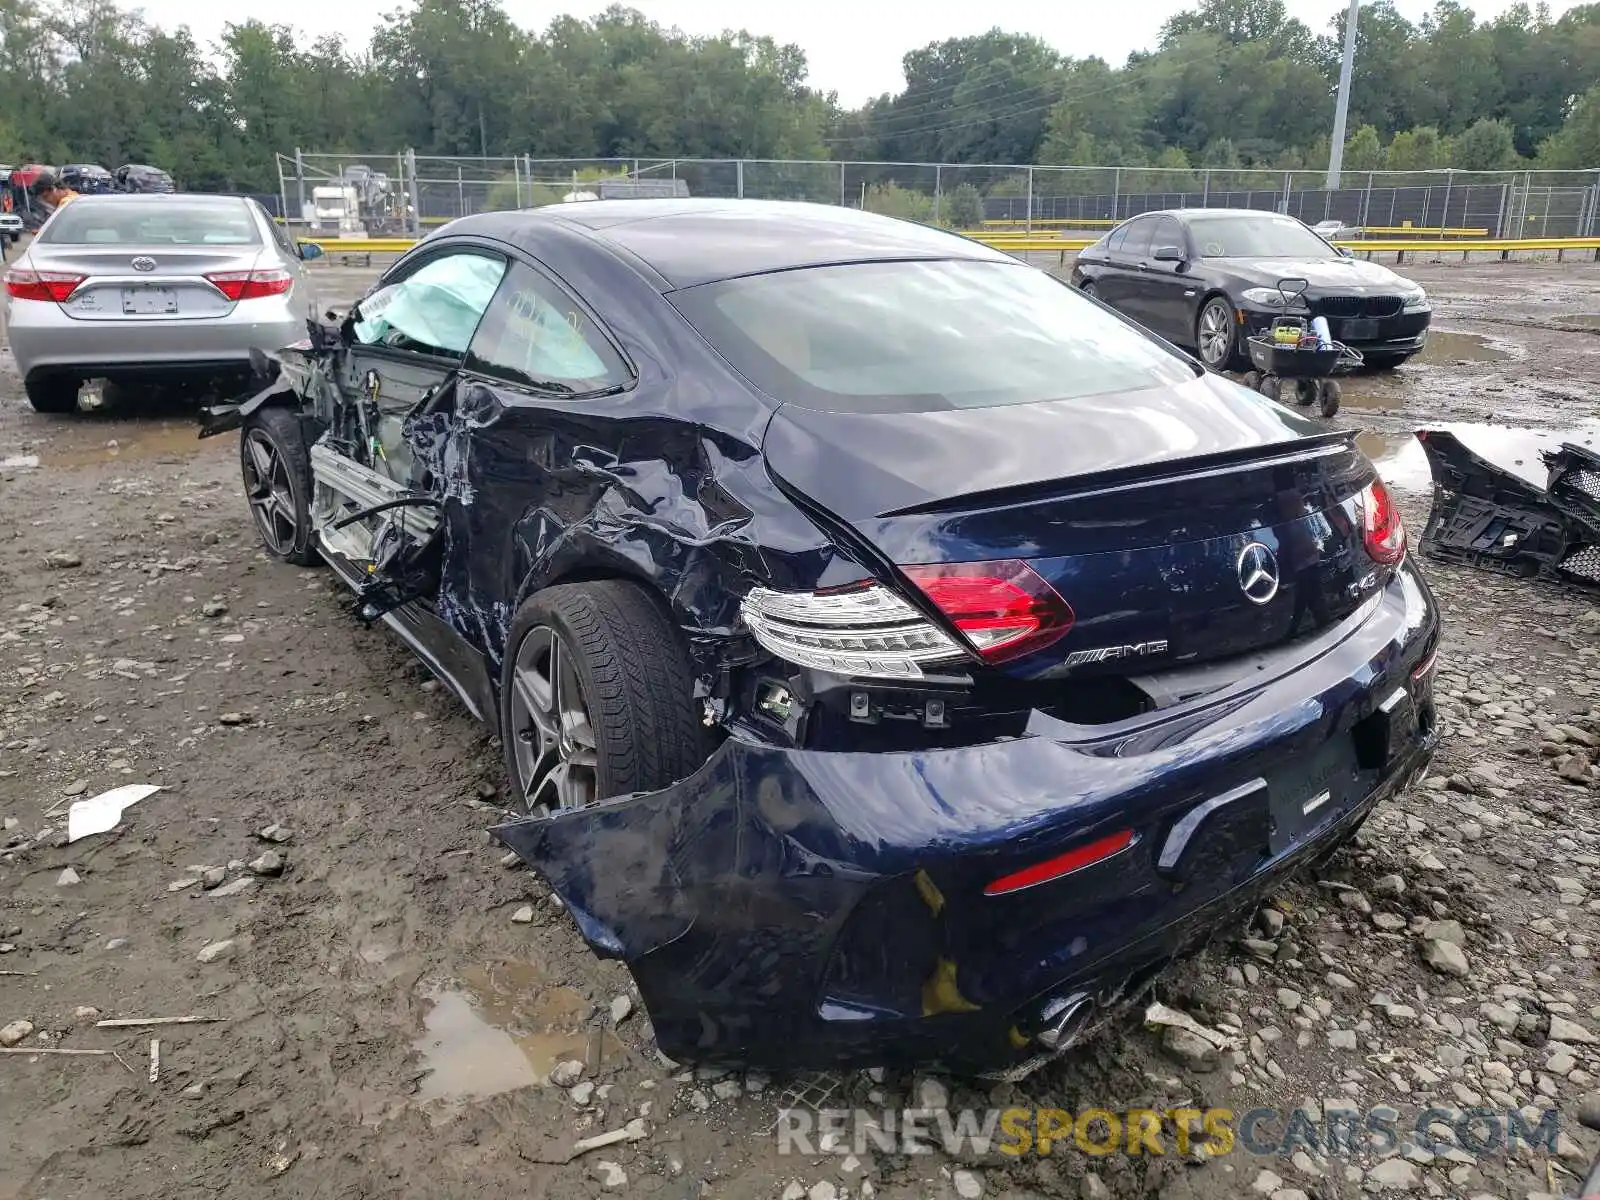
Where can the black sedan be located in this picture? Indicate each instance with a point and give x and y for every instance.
(895, 654)
(1207, 278)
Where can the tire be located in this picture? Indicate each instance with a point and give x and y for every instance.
(1331, 391)
(1087, 288)
(1383, 362)
(1216, 319)
(1306, 392)
(635, 727)
(1272, 388)
(276, 467)
(53, 394)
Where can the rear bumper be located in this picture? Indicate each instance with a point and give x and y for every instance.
(45, 341)
(804, 908)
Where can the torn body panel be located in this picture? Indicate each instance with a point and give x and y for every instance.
(800, 907)
(1528, 506)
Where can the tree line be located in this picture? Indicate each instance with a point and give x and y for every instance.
(1231, 83)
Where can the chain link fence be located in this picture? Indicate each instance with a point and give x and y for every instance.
(404, 191)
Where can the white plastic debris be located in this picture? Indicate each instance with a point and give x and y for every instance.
(100, 814)
(19, 462)
(1159, 1014)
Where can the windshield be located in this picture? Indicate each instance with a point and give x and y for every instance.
(918, 336)
(1266, 236)
(105, 221)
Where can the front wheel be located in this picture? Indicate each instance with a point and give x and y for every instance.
(1216, 334)
(1087, 288)
(277, 481)
(1330, 397)
(596, 698)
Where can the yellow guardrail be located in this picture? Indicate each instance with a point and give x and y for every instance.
(1055, 244)
(1047, 222)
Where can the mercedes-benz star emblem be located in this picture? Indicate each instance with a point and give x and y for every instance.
(1258, 573)
(144, 263)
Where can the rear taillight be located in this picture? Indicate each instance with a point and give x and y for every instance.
(1381, 527)
(252, 285)
(1004, 608)
(25, 284)
(862, 630)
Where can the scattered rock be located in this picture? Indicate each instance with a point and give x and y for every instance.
(275, 833)
(61, 560)
(932, 1095)
(1189, 1048)
(523, 915)
(1564, 1030)
(1389, 922)
(214, 877)
(621, 1009)
(234, 718)
(968, 1184)
(270, 863)
(1093, 1188)
(581, 1093)
(566, 1073)
(214, 608)
(13, 1033)
(1266, 1183)
(1445, 931)
(610, 1174)
(1288, 999)
(1394, 1173)
(1447, 958)
(67, 878)
(216, 952)
(242, 884)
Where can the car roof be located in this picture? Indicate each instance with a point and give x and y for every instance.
(1189, 214)
(686, 242)
(160, 198)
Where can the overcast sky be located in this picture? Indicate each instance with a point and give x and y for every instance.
(853, 47)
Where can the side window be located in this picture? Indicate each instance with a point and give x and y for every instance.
(535, 336)
(279, 233)
(1137, 243)
(1168, 233)
(434, 309)
(1117, 237)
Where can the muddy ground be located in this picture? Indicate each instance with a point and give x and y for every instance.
(390, 998)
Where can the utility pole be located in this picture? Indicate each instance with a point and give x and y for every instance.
(1341, 108)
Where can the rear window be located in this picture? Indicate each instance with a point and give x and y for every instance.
(93, 221)
(921, 336)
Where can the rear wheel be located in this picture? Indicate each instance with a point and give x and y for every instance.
(1215, 334)
(596, 698)
(277, 481)
(53, 394)
(1306, 392)
(1330, 397)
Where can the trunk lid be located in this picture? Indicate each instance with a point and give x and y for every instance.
(167, 284)
(1147, 512)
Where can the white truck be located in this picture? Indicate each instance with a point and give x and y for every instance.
(335, 212)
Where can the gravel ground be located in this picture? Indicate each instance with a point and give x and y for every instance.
(392, 999)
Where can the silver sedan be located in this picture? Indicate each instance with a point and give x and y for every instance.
(161, 289)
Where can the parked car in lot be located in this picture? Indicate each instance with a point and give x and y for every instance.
(168, 289)
(1207, 278)
(138, 177)
(895, 654)
(87, 178)
(11, 227)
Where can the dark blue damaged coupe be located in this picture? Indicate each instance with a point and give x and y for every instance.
(897, 654)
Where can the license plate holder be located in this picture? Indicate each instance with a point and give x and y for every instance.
(148, 301)
(1312, 792)
(1358, 331)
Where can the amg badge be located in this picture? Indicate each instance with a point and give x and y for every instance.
(1079, 658)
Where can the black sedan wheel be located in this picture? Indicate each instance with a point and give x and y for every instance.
(597, 698)
(1087, 287)
(277, 481)
(1216, 335)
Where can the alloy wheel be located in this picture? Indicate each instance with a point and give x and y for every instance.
(1216, 333)
(555, 751)
(266, 483)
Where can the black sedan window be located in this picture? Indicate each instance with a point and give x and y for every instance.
(1266, 236)
(535, 336)
(921, 336)
(1137, 243)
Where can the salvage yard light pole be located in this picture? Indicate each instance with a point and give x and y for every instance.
(1341, 108)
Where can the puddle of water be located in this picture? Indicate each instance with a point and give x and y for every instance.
(1401, 461)
(502, 1029)
(1588, 320)
(130, 443)
(1443, 349)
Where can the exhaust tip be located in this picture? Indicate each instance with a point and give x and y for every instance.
(1063, 1019)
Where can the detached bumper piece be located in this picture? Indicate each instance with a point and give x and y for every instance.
(978, 906)
(1497, 519)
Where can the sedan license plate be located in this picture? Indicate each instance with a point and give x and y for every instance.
(148, 301)
(1358, 331)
